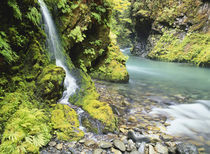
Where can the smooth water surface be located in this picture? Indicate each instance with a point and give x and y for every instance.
(169, 78)
(182, 91)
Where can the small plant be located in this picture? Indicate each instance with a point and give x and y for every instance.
(5, 49)
(77, 34)
(96, 16)
(34, 16)
(96, 42)
(65, 8)
(16, 10)
(91, 52)
(25, 132)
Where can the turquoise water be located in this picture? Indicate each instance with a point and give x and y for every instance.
(168, 78)
(182, 92)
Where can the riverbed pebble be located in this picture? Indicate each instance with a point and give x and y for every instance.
(119, 145)
(161, 149)
(139, 133)
(105, 145)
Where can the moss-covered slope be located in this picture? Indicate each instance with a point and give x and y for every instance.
(31, 84)
(172, 30)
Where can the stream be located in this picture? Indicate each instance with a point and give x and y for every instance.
(177, 91)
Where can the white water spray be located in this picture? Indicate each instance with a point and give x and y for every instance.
(56, 49)
(192, 120)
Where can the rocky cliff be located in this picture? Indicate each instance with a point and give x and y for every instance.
(172, 30)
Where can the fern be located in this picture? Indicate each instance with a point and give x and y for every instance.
(96, 16)
(77, 34)
(34, 16)
(5, 49)
(16, 10)
(25, 132)
(65, 8)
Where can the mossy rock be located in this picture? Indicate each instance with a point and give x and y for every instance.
(65, 123)
(113, 67)
(87, 99)
(50, 83)
(101, 111)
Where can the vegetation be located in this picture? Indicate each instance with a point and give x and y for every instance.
(172, 30)
(31, 84)
(193, 48)
(66, 124)
(5, 49)
(90, 30)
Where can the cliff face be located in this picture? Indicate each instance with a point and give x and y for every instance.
(31, 84)
(172, 30)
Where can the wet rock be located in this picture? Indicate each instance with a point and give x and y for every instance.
(201, 150)
(89, 143)
(132, 119)
(115, 151)
(105, 145)
(161, 100)
(72, 150)
(59, 146)
(119, 145)
(141, 149)
(97, 151)
(65, 152)
(161, 149)
(124, 131)
(82, 141)
(151, 150)
(167, 137)
(184, 148)
(125, 103)
(131, 146)
(171, 147)
(124, 139)
(71, 144)
(134, 152)
(154, 137)
(52, 143)
(137, 137)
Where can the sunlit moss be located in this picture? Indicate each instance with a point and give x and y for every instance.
(65, 123)
(50, 83)
(113, 67)
(193, 48)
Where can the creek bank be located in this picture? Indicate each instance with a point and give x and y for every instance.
(138, 132)
(175, 31)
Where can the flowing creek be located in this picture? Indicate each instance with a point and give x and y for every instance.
(161, 98)
(177, 92)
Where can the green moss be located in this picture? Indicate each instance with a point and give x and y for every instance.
(101, 111)
(65, 123)
(113, 67)
(87, 99)
(193, 48)
(89, 127)
(50, 83)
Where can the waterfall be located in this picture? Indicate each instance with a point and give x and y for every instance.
(56, 50)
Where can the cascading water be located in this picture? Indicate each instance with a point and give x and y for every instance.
(190, 120)
(56, 50)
